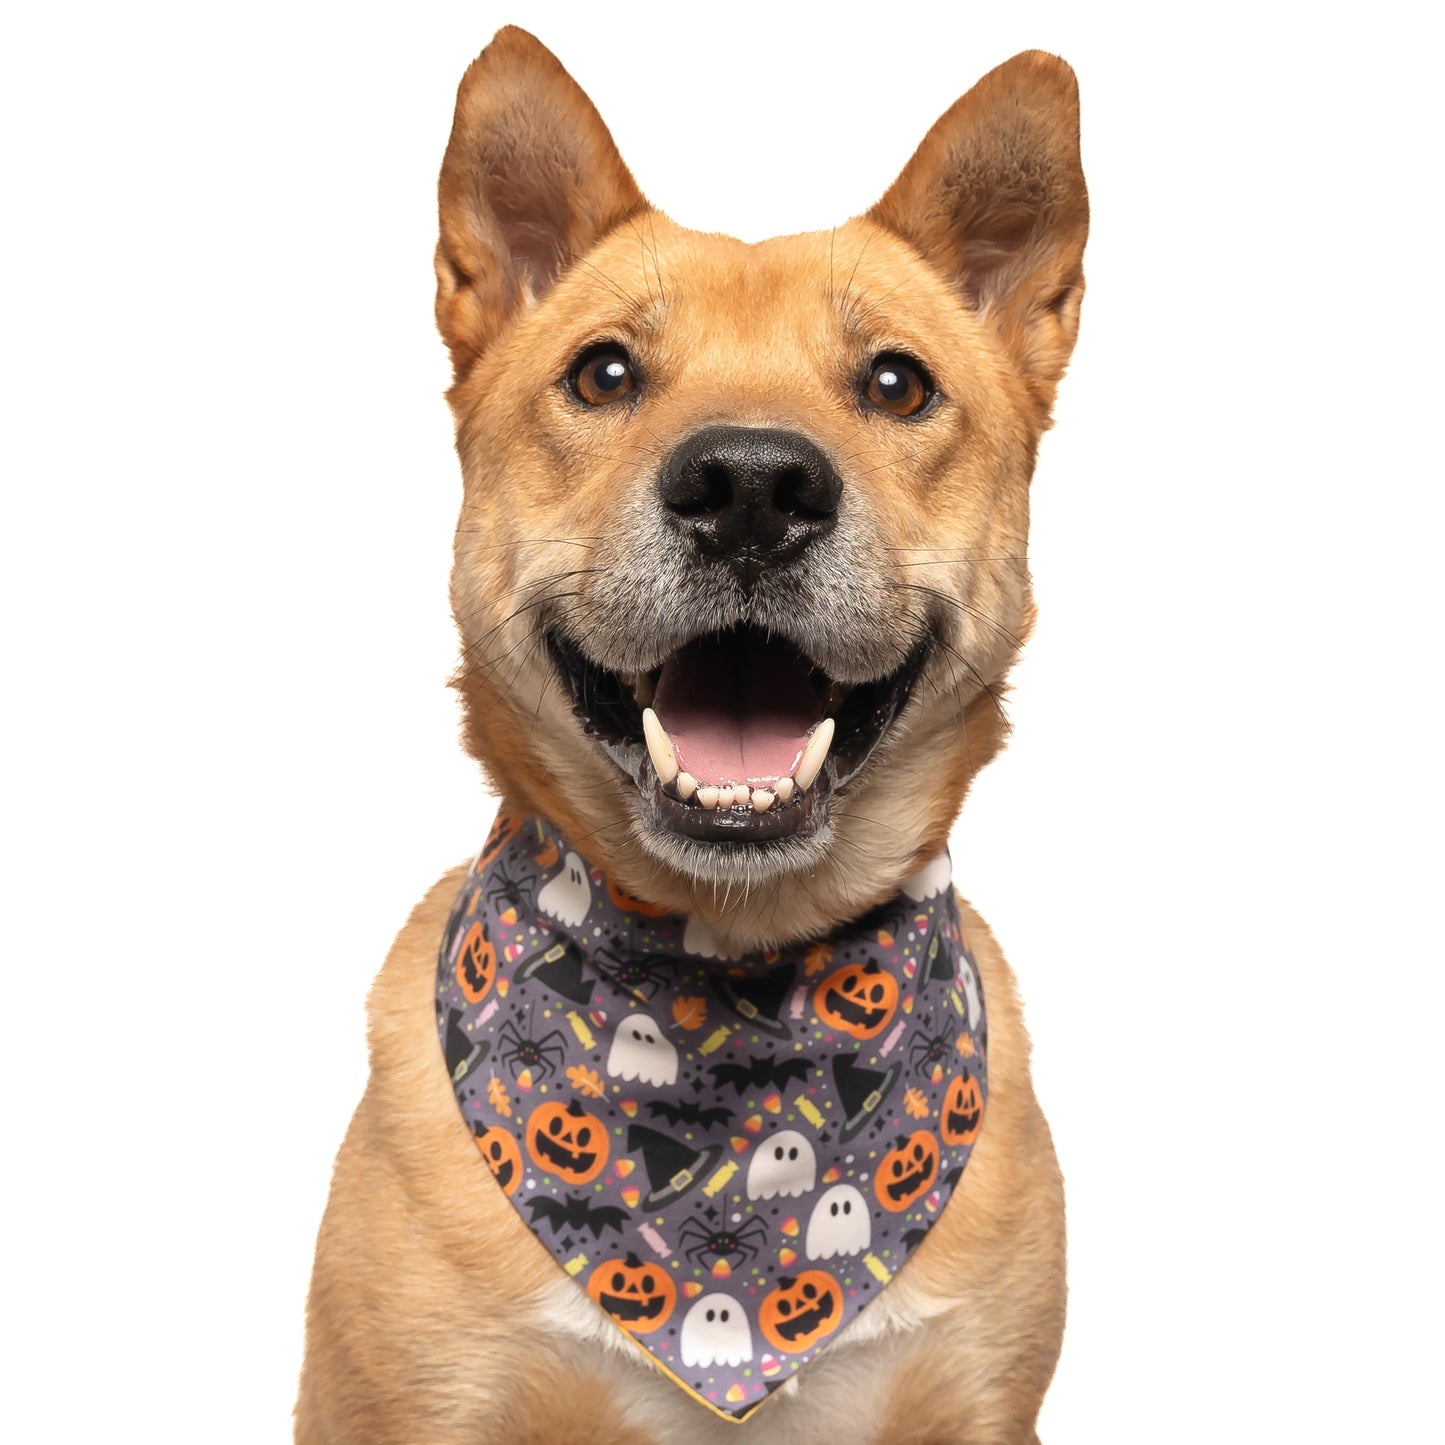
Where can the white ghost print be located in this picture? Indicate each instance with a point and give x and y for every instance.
(968, 981)
(840, 1224)
(715, 1332)
(783, 1164)
(640, 1052)
(569, 895)
(930, 880)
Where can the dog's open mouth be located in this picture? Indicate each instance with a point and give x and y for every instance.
(738, 736)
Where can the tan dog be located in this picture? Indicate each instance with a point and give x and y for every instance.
(826, 439)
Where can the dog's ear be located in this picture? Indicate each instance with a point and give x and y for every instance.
(994, 198)
(530, 181)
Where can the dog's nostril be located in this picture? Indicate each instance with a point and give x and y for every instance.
(717, 484)
(796, 495)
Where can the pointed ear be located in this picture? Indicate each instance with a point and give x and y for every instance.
(994, 198)
(531, 180)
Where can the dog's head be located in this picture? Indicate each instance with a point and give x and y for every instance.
(741, 562)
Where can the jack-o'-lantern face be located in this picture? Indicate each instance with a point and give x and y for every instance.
(503, 1155)
(962, 1114)
(476, 964)
(565, 1140)
(801, 1311)
(640, 1297)
(907, 1171)
(859, 999)
(504, 829)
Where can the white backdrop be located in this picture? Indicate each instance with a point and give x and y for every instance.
(228, 494)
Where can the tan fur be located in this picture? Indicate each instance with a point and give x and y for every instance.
(434, 1316)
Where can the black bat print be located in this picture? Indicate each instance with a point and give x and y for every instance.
(577, 1212)
(684, 1111)
(758, 1072)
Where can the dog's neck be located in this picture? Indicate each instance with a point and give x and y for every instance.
(665, 1112)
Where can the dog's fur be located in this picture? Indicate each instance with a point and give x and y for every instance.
(434, 1316)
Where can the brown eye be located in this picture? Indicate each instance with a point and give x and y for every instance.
(897, 386)
(604, 374)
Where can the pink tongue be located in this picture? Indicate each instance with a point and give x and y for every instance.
(738, 708)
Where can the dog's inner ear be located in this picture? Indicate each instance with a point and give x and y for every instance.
(994, 198)
(530, 182)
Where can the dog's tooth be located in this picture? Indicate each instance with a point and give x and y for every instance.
(659, 747)
(642, 689)
(708, 797)
(686, 785)
(815, 753)
(742, 794)
(762, 800)
(725, 797)
(783, 788)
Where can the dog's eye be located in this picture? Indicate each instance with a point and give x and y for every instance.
(604, 374)
(897, 386)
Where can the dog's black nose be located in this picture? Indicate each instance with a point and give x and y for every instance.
(749, 495)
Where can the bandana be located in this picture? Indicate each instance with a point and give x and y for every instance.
(732, 1157)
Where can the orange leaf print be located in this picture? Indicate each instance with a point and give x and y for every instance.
(915, 1103)
(816, 959)
(690, 1012)
(585, 1081)
(498, 1097)
(964, 1044)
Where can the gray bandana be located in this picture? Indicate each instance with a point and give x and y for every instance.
(732, 1157)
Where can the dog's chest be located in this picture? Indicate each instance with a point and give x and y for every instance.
(844, 1396)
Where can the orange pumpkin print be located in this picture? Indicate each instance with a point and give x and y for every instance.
(907, 1171)
(476, 963)
(504, 829)
(565, 1140)
(503, 1155)
(962, 1115)
(640, 1297)
(858, 1000)
(800, 1312)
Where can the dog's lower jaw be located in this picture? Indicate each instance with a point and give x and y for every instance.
(890, 820)
(732, 874)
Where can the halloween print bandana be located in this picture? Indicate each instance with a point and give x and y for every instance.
(732, 1157)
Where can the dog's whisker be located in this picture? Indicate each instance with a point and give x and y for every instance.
(954, 561)
(518, 542)
(857, 261)
(527, 606)
(538, 584)
(634, 303)
(894, 462)
(843, 813)
(656, 264)
(962, 606)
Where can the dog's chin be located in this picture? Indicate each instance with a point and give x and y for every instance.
(736, 750)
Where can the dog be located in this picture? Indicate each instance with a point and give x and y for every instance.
(739, 575)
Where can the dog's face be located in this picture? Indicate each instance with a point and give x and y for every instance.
(741, 562)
